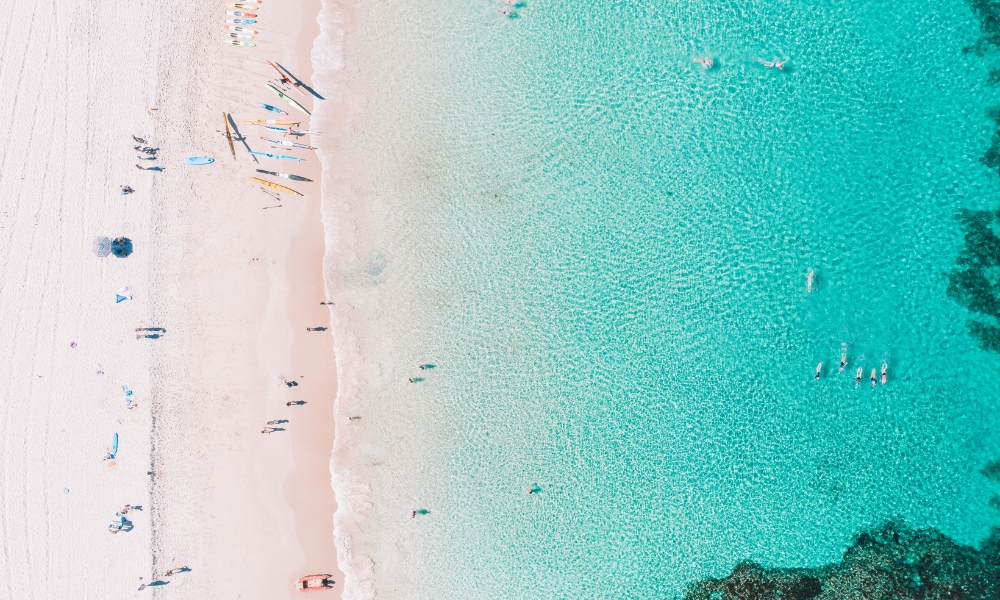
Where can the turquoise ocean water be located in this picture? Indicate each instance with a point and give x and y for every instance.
(602, 248)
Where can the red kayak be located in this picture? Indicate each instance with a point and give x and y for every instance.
(314, 583)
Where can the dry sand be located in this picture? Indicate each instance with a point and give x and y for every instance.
(233, 285)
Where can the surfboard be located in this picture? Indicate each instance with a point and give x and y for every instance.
(114, 445)
(242, 36)
(241, 29)
(239, 13)
(238, 43)
(199, 160)
(240, 21)
(288, 99)
(269, 184)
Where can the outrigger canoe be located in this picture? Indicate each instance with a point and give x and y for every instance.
(287, 144)
(275, 186)
(284, 175)
(288, 99)
(229, 136)
(277, 156)
(283, 77)
(269, 122)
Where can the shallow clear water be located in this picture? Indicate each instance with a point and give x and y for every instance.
(602, 248)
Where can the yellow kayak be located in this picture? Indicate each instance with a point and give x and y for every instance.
(275, 186)
(270, 122)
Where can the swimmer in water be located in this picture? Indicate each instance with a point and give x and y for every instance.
(773, 64)
(809, 280)
(819, 370)
(708, 63)
(505, 12)
(873, 379)
(883, 373)
(857, 377)
(843, 362)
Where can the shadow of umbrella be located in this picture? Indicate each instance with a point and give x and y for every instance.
(101, 246)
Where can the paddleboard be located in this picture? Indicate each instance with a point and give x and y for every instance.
(272, 108)
(240, 6)
(238, 43)
(114, 445)
(199, 160)
(240, 21)
(269, 122)
(242, 36)
(269, 184)
(288, 99)
(284, 175)
(239, 13)
(241, 29)
(278, 156)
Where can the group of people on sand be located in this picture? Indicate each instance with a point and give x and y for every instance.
(775, 63)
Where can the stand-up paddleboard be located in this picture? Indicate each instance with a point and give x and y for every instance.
(238, 43)
(242, 36)
(241, 29)
(240, 21)
(229, 136)
(269, 122)
(241, 6)
(240, 13)
(278, 156)
(269, 184)
(288, 144)
(284, 175)
(114, 445)
(288, 99)
(199, 160)
(272, 108)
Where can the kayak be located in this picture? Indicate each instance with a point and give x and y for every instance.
(278, 156)
(284, 175)
(287, 144)
(288, 99)
(280, 188)
(269, 122)
(272, 108)
(240, 21)
(199, 160)
(238, 13)
(238, 43)
(241, 29)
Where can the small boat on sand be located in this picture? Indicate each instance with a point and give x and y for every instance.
(288, 144)
(272, 108)
(275, 186)
(269, 122)
(284, 175)
(314, 583)
(288, 99)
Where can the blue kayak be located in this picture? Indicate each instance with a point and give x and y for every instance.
(199, 160)
(272, 108)
(278, 156)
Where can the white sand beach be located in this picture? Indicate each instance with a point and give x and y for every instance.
(233, 285)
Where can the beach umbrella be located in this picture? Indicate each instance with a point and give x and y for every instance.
(101, 246)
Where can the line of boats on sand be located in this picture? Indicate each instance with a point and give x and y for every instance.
(240, 14)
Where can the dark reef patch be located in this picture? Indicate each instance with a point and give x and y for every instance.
(974, 284)
(891, 562)
(988, 13)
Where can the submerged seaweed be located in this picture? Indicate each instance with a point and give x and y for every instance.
(974, 285)
(893, 561)
(988, 13)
